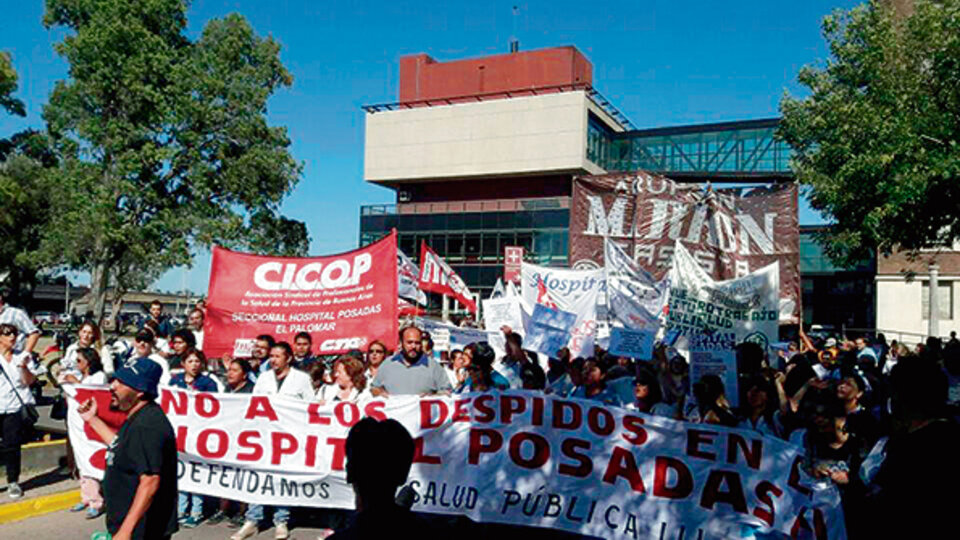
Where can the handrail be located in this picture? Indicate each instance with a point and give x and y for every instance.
(592, 93)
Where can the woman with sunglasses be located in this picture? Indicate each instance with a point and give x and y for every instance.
(17, 372)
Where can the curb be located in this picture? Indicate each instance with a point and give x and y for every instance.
(17, 511)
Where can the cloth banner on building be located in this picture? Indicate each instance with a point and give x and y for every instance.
(408, 277)
(548, 330)
(732, 232)
(340, 300)
(513, 457)
(634, 298)
(437, 276)
(745, 307)
(574, 291)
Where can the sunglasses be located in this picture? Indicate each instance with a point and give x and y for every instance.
(8, 333)
(377, 351)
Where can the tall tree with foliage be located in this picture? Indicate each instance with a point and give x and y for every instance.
(8, 85)
(877, 139)
(25, 159)
(164, 141)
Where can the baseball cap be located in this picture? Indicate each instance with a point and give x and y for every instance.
(141, 374)
(831, 342)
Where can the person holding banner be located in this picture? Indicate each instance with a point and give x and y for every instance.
(410, 372)
(594, 385)
(481, 377)
(140, 482)
(91, 372)
(282, 379)
(349, 382)
(376, 353)
(192, 378)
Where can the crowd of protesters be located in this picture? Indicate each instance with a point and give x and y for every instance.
(877, 419)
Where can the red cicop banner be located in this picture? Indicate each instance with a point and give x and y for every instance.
(343, 301)
(731, 232)
(437, 276)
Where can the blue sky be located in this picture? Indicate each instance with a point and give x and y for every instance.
(661, 63)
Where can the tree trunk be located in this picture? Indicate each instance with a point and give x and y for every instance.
(115, 309)
(99, 278)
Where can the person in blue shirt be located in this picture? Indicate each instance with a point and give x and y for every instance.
(192, 378)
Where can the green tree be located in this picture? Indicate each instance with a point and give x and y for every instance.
(163, 141)
(876, 140)
(8, 85)
(24, 191)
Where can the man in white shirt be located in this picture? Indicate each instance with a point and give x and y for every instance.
(282, 379)
(27, 332)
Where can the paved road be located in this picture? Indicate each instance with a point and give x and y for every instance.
(66, 525)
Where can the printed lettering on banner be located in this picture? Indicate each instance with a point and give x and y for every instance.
(339, 299)
(632, 343)
(581, 292)
(747, 307)
(437, 276)
(732, 232)
(511, 457)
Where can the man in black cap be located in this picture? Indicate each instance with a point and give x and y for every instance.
(140, 483)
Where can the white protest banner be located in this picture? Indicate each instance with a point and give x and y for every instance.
(513, 457)
(634, 297)
(574, 291)
(714, 354)
(408, 276)
(502, 312)
(747, 306)
(437, 276)
(548, 330)
(632, 343)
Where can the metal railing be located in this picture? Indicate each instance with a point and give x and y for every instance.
(592, 93)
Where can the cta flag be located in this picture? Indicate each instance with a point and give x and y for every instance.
(437, 276)
(340, 300)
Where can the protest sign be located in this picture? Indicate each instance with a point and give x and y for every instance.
(512, 257)
(513, 457)
(746, 306)
(457, 337)
(573, 291)
(549, 330)
(437, 276)
(502, 312)
(714, 354)
(732, 231)
(338, 299)
(632, 343)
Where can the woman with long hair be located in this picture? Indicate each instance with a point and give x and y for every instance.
(91, 372)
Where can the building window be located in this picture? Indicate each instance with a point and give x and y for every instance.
(944, 298)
